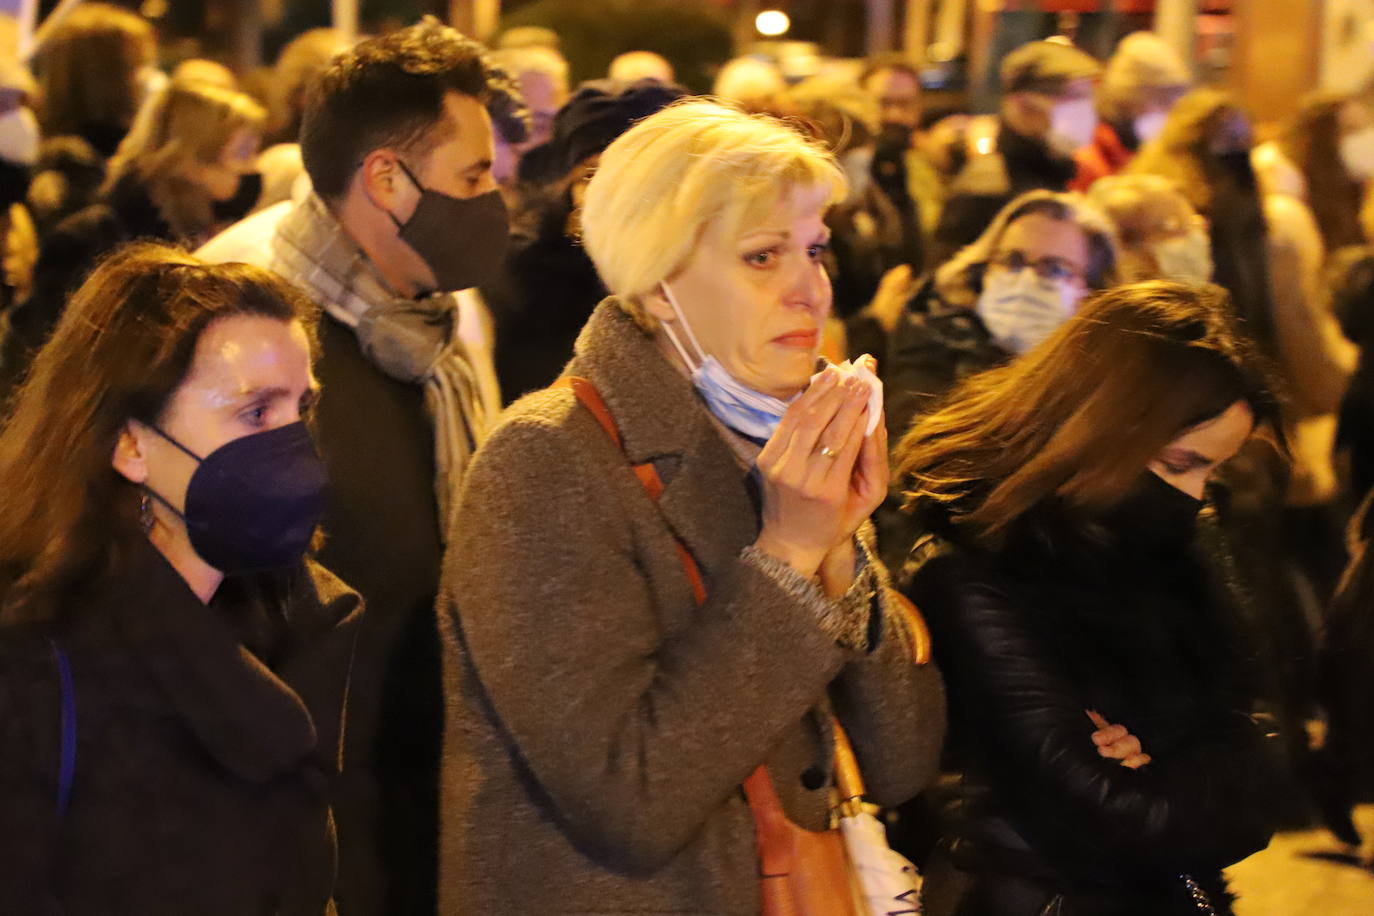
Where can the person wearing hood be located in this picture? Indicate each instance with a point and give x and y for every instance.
(998, 298)
(1103, 707)
(548, 286)
(1047, 113)
(1142, 81)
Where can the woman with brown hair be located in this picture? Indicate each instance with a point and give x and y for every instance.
(91, 73)
(184, 171)
(1312, 176)
(172, 669)
(1099, 711)
(1204, 149)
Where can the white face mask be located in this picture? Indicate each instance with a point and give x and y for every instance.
(1185, 257)
(19, 137)
(1020, 310)
(1148, 125)
(1357, 153)
(1072, 125)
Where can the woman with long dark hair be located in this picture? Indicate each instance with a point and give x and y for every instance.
(172, 668)
(1100, 707)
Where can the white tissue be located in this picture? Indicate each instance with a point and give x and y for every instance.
(859, 369)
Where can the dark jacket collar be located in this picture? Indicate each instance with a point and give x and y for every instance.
(133, 205)
(243, 714)
(662, 420)
(1031, 163)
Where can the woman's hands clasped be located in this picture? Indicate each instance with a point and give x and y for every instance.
(822, 476)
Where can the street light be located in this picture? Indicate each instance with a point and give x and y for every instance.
(772, 23)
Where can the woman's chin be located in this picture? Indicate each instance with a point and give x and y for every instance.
(786, 386)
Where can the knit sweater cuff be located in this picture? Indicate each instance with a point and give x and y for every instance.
(845, 620)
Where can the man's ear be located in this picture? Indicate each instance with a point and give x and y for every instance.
(384, 183)
(130, 456)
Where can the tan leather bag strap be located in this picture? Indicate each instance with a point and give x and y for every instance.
(647, 474)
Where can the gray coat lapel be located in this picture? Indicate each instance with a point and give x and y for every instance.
(661, 419)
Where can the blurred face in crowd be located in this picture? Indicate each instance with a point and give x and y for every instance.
(1230, 133)
(1356, 123)
(1189, 461)
(943, 143)
(543, 97)
(250, 374)
(575, 183)
(756, 297)
(1151, 112)
(1055, 251)
(504, 161)
(220, 178)
(1065, 120)
(898, 95)
(1174, 244)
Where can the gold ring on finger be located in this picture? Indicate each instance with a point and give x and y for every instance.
(828, 452)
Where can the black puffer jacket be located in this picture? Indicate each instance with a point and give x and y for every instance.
(1122, 619)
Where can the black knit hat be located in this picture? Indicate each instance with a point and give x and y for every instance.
(600, 111)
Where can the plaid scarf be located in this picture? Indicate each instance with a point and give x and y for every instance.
(412, 340)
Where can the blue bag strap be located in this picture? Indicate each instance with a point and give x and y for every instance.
(67, 766)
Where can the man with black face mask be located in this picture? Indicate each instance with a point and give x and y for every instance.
(404, 215)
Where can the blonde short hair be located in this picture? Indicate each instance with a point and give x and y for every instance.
(664, 180)
(185, 122)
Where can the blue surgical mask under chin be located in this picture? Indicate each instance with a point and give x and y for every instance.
(750, 413)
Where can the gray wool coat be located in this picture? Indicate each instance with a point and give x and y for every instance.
(600, 723)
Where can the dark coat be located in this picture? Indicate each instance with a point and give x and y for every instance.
(1240, 245)
(1130, 625)
(383, 538)
(1353, 305)
(599, 722)
(208, 739)
(935, 345)
(541, 300)
(989, 182)
(875, 230)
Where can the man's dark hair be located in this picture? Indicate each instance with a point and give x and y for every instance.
(389, 92)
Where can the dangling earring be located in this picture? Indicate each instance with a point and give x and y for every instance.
(145, 513)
